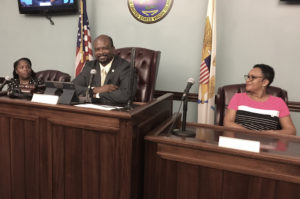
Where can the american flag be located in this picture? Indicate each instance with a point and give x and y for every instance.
(84, 46)
(204, 71)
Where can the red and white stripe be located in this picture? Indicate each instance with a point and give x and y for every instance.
(84, 41)
(204, 74)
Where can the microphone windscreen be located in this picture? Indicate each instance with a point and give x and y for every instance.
(191, 80)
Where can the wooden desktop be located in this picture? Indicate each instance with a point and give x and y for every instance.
(196, 168)
(68, 152)
(62, 151)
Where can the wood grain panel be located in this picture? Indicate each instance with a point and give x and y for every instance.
(168, 180)
(31, 164)
(105, 125)
(108, 168)
(5, 166)
(182, 180)
(58, 157)
(73, 163)
(235, 185)
(64, 152)
(222, 160)
(91, 164)
(287, 190)
(45, 157)
(187, 173)
(211, 181)
(17, 158)
(151, 172)
(197, 169)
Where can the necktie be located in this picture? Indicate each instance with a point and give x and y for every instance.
(103, 76)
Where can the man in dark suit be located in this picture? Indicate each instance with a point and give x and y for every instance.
(115, 86)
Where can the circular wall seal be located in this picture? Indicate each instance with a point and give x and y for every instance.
(149, 11)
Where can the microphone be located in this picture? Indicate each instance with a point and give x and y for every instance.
(92, 73)
(186, 91)
(6, 81)
(183, 132)
(88, 93)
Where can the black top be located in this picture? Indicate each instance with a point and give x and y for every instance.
(15, 89)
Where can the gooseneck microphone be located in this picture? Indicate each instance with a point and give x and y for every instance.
(89, 93)
(6, 81)
(186, 91)
(92, 73)
(183, 132)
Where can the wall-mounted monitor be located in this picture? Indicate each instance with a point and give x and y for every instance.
(47, 6)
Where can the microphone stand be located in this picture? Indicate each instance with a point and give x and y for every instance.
(131, 82)
(184, 111)
(183, 132)
(89, 92)
(88, 96)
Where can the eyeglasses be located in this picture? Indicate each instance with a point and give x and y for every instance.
(251, 77)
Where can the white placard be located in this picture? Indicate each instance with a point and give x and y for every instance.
(240, 144)
(47, 99)
(101, 107)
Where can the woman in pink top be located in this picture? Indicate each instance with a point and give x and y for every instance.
(255, 109)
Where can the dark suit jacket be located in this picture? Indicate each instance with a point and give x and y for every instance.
(119, 75)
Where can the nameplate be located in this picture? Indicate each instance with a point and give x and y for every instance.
(47, 99)
(240, 144)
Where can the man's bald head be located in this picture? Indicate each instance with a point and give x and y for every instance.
(106, 38)
(104, 49)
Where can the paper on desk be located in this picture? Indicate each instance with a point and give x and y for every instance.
(241, 144)
(101, 107)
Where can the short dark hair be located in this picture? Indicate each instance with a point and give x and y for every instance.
(268, 72)
(16, 63)
(108, 38)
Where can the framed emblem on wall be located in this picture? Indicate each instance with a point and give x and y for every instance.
(149, 11)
